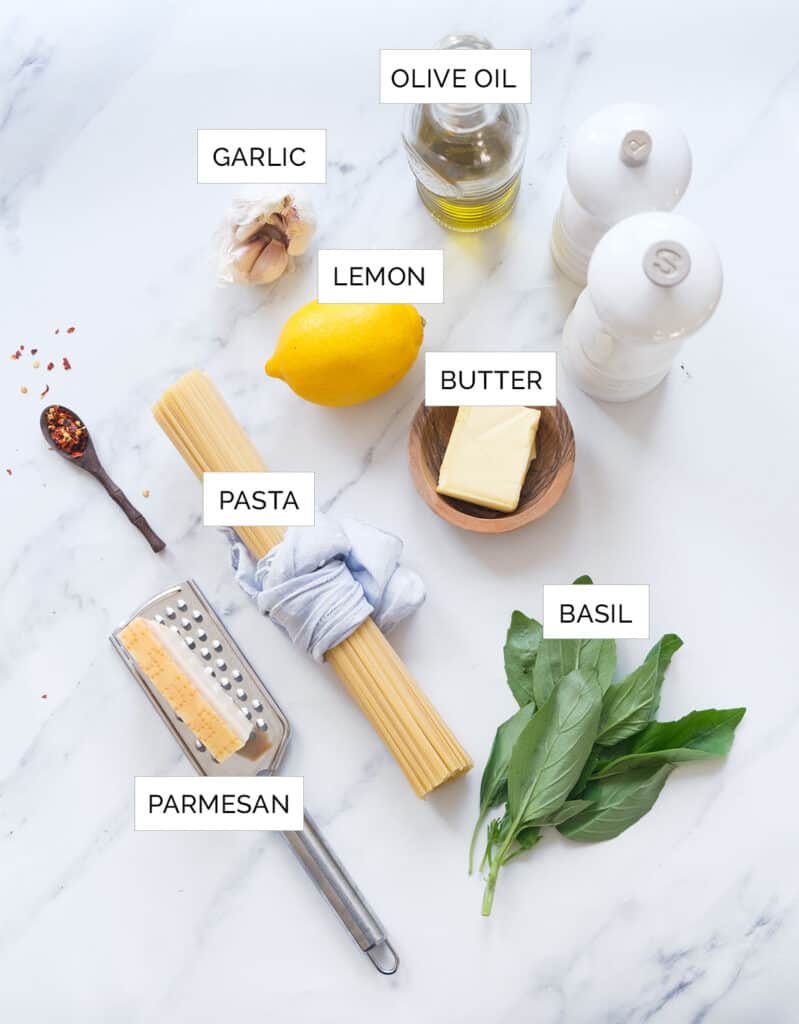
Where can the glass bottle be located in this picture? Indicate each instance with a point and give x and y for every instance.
(466, 157)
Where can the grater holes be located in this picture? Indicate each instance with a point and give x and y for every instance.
(170, 612)
(237, 675)
(224, 683)
(210, 671)
(182, 606)
(220, 664)
(241, 694)
(261, 724)
(205, 653)
(185, 623)
(217, 645)
(257, 705)
(201, 634)
(160, 620)
(199, 746)
(197, 615)
(189, 641)
(246, 712)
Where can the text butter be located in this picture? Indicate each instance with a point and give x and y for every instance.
(261, 156)
(490, 378)
(380, 275)
(601, 611)
(258, 499)
(455, 76)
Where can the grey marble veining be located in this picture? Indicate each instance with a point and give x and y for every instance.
(689, 917)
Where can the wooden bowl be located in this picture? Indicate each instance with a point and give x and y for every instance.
(547, 478)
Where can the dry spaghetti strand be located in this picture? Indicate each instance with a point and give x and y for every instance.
(201, 426)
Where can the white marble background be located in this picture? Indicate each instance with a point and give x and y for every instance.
(692, 915)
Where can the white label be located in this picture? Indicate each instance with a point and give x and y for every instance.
(381, 275)
(258, 499)
(233, 156)
(490, 378)
(601, 611)
(203, 804)
(456, 76)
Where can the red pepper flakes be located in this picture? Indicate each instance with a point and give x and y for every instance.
(9, 472)
(50, 366)
(66, 363)
(34, 351)
(66, 431)
(22, 348)
(46, 389)
(17, 354)
(44, 696)
(57, 330)
(70, 330)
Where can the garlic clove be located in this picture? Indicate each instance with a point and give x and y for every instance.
(243, 258)
(271, 263)
(299, 234)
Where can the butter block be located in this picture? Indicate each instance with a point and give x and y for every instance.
(489, 454)
(191, 693)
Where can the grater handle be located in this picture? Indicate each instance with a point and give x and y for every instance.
(343, 895)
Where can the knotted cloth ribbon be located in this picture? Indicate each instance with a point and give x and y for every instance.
(320, 583)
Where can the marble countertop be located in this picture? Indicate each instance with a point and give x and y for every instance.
(690, 916)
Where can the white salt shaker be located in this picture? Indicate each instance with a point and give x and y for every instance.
(625, 159)
(654, 280)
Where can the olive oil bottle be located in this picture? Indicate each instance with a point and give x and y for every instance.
(466, 157)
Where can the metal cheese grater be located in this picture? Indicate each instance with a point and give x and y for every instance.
(184, 609)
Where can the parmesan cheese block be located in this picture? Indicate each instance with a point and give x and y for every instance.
(489, 454)
(192, 693)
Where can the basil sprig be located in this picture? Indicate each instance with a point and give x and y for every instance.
(582, 753)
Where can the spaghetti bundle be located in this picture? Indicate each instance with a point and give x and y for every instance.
(199, 423)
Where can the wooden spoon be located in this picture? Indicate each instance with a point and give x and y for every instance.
(81, 452)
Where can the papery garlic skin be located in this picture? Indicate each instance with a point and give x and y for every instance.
(261, 237)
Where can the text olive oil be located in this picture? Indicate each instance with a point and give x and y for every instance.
(467, 158)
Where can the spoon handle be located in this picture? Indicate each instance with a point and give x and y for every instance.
(130, 510)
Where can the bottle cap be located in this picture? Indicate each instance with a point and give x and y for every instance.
(626, 159)
(655, 275)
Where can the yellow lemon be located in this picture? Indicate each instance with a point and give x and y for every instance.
(348, 353)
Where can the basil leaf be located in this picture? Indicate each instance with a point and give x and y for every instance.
(585, 774)
(556, 658)
(550, 753)
(629, 705)
(695, 737)
(616, 803)
(494, 783)
(567, 811)
(526, 839)
(598, 656)
(521, 648)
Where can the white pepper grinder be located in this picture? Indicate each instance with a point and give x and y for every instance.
(625, 159)
(653, 281)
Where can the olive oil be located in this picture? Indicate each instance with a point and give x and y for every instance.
(466, 158)
(471, 214)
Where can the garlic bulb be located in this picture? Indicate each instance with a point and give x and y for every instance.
(260, 239)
